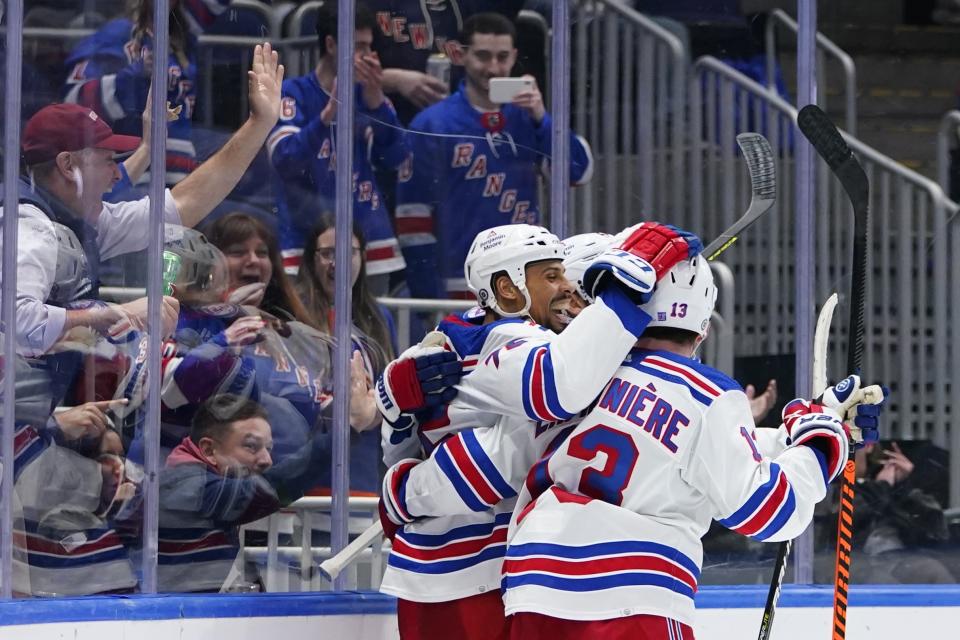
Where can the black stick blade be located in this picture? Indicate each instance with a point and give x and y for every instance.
(829, 143)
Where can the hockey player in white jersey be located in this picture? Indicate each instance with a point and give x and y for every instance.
(446, 571)
(605, 541)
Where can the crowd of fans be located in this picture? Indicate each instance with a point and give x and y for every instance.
(246, 378)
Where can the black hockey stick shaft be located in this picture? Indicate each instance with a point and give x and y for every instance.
(828, 142)
(830, 145)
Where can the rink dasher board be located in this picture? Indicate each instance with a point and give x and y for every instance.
(723, 613)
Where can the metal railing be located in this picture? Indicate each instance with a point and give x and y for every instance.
(403, 309)
(825, 48)
(947, 138)
(629, 100)
(908, 304)
(294, 567)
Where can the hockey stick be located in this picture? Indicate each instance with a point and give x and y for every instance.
(331, 567)
(828, 142)
(763, 183)
(820, 339)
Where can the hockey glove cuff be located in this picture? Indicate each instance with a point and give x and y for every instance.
(631, 274)
(820, 428)
(393, 501)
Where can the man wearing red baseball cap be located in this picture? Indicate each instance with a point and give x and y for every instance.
(69, 153)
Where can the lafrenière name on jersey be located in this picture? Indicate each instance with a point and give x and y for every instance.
(644, 408)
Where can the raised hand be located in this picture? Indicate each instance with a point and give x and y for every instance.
(369, 74)
(264, 81)
(531, 101)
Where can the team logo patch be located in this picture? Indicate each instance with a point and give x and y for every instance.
(661, 316)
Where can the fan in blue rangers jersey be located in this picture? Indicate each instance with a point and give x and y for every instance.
(110, 73)
(670, 446)
(516, 368)
(302, 149)
(474, 164)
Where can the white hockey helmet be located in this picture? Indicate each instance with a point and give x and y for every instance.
(581, 251)
(507, 248)
(684, 297)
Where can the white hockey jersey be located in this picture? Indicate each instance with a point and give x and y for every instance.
(525, 379)
(611, 525)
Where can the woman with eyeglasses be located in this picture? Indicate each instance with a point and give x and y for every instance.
(373, 328)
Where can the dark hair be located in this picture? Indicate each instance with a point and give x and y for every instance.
(367, 315)
(672, 334)
(217, 414)
(280, 295)
(327, 22)
(488, 23)
(141, 14)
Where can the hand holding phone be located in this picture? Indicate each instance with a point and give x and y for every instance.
(504, 90)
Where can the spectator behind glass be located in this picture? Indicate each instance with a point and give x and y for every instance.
(374, 339)
(69, 154)
(475, 164)
(409, 32)
(254, 266)
(110, 73)
(212, 483)
(315, 284)
(899, 509)
(302, 149)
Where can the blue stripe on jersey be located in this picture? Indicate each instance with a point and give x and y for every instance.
(591, 551)
(448, 566)
(467, 335)
(458, 533)
(754, 501)
(699, 396)
(598, 583)
(449, 469)
(785, 513)
(550, 387)
(722, 380)
(822, 461)
(486, 467)
(45, 561)
(546, 388)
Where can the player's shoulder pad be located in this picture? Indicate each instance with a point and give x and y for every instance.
(466, 333)
(704, 382)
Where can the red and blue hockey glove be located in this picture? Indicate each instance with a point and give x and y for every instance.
(858, 405)
(661, 245)
(393, 507)
(615, 267)
(820, 428)
(423, 377)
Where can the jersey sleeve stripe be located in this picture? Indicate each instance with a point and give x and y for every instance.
(581, 585)
(755, 500)
(462, 486)
(493, 552)
(486, 467)
(466, 464)
(773, 501)
(831, 471)
(539, 388)
(399, 492)
(783, 516)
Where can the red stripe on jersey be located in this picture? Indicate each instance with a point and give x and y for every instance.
(762, 517)
(600, 566)
(452, 550)
(565, 496)
(683, 371)
(35, 543)
(381, 253)
(536, 388)
(292, 261)
(414, 225)
(89, 96)
(470, 472)
(216, 538)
